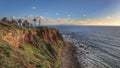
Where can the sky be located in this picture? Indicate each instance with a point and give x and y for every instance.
(65, 12)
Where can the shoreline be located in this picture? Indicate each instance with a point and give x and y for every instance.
(68, 58)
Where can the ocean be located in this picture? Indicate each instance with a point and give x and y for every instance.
(96, 46)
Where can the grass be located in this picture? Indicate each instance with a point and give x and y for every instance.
(5, 50)
(40, 54)
(58, 64)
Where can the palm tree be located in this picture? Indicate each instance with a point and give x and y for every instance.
(39, 22)
(20, 22)
(31, 25)
(13, 21)
(23, 24)
(34, 21)
(26, 23)
(5, 19)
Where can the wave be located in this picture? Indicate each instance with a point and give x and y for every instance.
(96, 46)
(94, 53)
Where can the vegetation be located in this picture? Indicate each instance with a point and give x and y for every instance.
(5, 19)
(20, 22)
(38, 54)
(34, 21)
(39, 22)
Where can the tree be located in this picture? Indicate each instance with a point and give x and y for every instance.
(39, 22)
(25, 23)
(5, 19)
(31, 25)
(20, 22)
(34, 21)
(13, 21)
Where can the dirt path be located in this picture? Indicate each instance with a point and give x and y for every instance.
(68, 59)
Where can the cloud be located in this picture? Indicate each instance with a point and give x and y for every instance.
(88, 19)
(84, 15)
(70, 21)
(57, 14)
(108, 17)
(41, 17)
(65, 21)
(34, 7)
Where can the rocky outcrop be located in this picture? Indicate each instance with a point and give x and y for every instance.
(18, 37)
(30, 47)
(50, 35)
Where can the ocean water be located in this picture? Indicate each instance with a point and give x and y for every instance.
(96, 47)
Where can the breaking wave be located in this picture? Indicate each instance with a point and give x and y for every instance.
(96, 47)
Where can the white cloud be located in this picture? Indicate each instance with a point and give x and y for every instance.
(70, 21)
(69, 18)
(13, 17)
(84, 15)
(88, 19)
(41, 17)
(57, 13)
(34, 7)
(108, 17)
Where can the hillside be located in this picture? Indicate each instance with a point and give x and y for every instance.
(29, 47)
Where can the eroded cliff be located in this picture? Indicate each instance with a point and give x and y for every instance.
(30, 47)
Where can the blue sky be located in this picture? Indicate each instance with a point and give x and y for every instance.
(74, 9)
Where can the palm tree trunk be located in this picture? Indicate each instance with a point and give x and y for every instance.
(39, 24)
(34, 24)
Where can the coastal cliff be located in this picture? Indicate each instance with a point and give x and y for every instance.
(16, 37)
(30, 47)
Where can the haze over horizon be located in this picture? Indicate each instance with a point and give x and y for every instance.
(65, 12)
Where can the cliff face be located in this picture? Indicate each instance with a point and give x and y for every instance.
(30, 48)
(50, 35)
(18, 37)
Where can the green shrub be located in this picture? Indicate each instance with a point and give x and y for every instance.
(38, 66)
(22, 47)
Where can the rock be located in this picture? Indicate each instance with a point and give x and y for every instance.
(17, 37)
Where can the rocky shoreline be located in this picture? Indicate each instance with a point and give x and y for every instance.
(68, 59)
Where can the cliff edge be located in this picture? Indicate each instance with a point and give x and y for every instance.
(30, 47)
